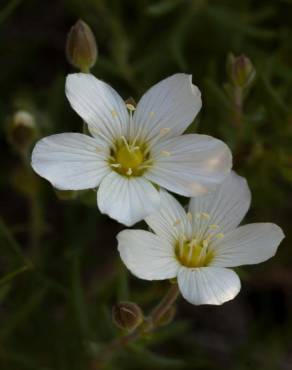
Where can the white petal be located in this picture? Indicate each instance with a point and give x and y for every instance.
(170, 220)
(190, 165)
(226, 206)
(70, 161)
(99, 105)
(146, 255)
(172, 103)
(127, 200)
(247, 245)
(208, 285)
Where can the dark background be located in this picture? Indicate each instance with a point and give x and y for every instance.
(60, 271)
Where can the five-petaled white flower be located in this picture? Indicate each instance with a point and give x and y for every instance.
(132, 149)
(199, 246)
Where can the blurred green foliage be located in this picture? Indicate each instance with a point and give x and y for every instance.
(60, 271)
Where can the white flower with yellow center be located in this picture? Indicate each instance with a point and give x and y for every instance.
(132, 149)
(199, 247)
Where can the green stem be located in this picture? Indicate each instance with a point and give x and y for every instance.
(11, 275)
(12, 243)
(149, 325)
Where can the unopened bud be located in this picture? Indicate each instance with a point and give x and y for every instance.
(127, 315)
(21, 130)
(240, 70)
(81, 48)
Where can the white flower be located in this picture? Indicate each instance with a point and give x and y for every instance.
(131, 150)
(199, 246)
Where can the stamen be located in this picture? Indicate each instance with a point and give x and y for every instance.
(126, 143)
(214, 227)
(177, 222)
(165, 153)
(116, 165)
(189, 216)
(129, 172)
(181, 245)
(205, 243)
(190, 251)
(203, 251)
(144, 166)
(130, 107)
(164, 131)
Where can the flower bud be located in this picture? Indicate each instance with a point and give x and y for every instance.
(127, 315)
(81, 48)
(21, 130)
(240, 70)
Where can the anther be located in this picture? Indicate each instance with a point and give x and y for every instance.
(205, 243)
(189, 216)
(116, 165)
(214, 227)
(126, 143)
(94, 130)
(177, 222)
(129, 172)
(130, 107)
(165, 153)
(164, 131)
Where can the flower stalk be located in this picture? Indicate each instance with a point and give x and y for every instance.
(148, 325)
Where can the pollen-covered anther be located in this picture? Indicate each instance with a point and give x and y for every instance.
(130, 107)
(129, 172)
(165, 153)
(116, 165)
(177, 222)
(189, 216)
(164, 131)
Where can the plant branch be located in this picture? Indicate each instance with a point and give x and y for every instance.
(148, 325)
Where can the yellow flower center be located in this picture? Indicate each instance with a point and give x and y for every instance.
(129, 159)
(193, 253)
